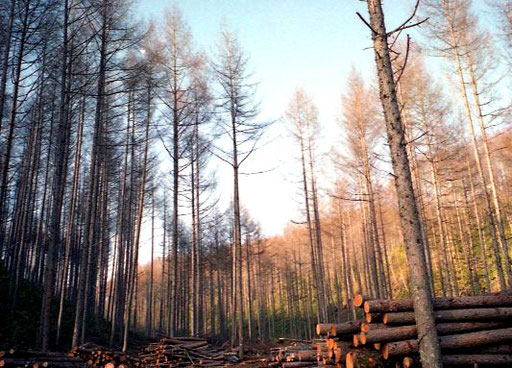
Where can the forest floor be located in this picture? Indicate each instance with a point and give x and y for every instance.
(141, 353)
(18, 335)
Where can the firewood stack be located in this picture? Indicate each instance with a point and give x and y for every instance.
(36, 359)
(99, 356)
(344, 348)
(472, 330)
(185, 352)
(334, 349)
(302, 353)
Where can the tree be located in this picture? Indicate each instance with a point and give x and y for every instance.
(423, 310)
(302, 115)
(178, 66)
(453, 27)
(237, 113)
(361, 128)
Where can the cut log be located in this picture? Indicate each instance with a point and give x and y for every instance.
(306, 355)
(466, 340)
(410, 332)
(297, 364)
(399, 318)
(408, 362)
(373, 317)
(480, 301)
(498, 349)
(339, 356)
(355, 340)
(349, 360)
(345, 328)
(458, 315)
(359, 300)
(323, 328)
(466, 359)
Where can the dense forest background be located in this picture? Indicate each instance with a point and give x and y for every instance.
(110, 133)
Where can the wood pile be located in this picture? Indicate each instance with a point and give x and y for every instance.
(36, 359)
(472, 330)
(98, 356)
(330, 352)
(301, 353)
(185, 352)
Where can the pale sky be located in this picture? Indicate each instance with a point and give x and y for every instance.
(290, 43)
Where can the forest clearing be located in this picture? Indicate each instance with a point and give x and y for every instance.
(264, 183)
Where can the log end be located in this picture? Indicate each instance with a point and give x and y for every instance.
(358, 300)
(366, 307)
(385, 351)
(365, 327)
(368, 318)
(362, 338)
(355, 340)
(371, 362)
(349, 360)
(408, 362)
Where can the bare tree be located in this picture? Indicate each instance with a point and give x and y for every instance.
(304, 126)
(237, 113)
(429, 347)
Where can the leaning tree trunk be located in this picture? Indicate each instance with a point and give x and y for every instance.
(429, 347)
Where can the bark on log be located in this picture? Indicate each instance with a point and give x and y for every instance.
(344, 328)
(466, 359)
(410, 332)
(480, 301)
(498, 349)
(467, 340)
(374, 326)
(458, 315)
(323, 328)
(305, 355)
(297, 364)
(373, 317)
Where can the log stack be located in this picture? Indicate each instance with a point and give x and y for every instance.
(472, 330)
(185, 352)
(303, 353)
(98, 356)
(36, 359)
(335, 348)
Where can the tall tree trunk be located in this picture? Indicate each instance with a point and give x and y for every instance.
(132, 283)
(59, 180)
(490, 170)
(469, 120)
(429, 347)
(79, 328)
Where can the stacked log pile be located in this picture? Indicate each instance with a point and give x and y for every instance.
(98, 356)
(36, 359)
(185, 352)
(334, 349)
(472, 330)
(302, 353)
(475, 330)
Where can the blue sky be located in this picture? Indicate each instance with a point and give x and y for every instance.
(308, 43)
(290, 43)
